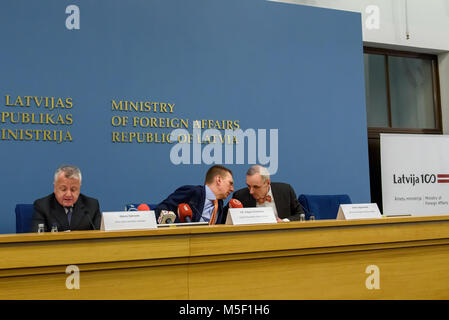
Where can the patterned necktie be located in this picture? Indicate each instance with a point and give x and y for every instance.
(69, 214)
(214, 212)
(267, 198)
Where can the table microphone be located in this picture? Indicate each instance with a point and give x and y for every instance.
(234, 203)
(90, 220)
(166, 217)
(143, 207)
(184, 212)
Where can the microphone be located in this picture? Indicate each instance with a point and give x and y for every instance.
(143, 207)
(166, 217)
(184, 212)
(234, 203)
(90, 220)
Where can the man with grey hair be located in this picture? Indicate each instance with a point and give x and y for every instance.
(261, 192)
(66, 208)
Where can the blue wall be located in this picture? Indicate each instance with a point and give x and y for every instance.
(266, 65)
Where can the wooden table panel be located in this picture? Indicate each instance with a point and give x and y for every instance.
(323, 259)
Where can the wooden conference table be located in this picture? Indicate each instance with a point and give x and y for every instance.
(323, 259)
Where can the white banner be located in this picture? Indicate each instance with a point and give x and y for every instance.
(415, 174)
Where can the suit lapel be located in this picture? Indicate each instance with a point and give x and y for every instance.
(196, 202)
(77, 214)
(278, 199)
(250, 200)
(58, 213)
(220, 211)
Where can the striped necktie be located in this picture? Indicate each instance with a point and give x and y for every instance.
(214, 212)
(69, 214)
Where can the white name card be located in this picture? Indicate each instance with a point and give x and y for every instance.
(126, 220)
(239, 216)
(358, 211)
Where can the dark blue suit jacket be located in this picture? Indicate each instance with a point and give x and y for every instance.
(48, 211)
(287, 204)
(195, 197)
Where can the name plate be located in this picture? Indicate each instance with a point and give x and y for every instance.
(238, 216)
(358, 211)
(127, 220)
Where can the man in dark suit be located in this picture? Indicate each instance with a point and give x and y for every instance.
(206, 201)
(261, 192)
(66, 208)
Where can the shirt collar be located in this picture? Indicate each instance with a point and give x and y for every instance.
(269, 193)
(209, 194)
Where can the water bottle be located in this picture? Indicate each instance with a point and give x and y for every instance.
(54, 227)
(302, 217)
(40, 228)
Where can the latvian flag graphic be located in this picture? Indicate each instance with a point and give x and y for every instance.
(443, 178)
